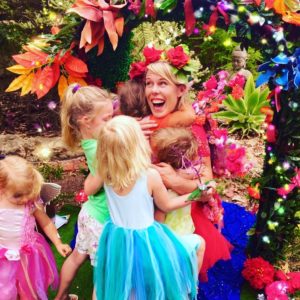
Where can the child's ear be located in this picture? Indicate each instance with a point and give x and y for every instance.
(84, 120)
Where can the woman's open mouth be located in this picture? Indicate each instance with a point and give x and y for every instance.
(158, 103)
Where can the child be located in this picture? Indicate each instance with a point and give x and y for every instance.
(133, 103)
(27, 265)
(137, 257)
(84, 111)
(178, 147)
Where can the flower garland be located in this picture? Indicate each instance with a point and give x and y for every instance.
(177, 57)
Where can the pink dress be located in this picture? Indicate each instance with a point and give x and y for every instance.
(27, 265)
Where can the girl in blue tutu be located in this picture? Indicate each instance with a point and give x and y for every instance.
(137, 257)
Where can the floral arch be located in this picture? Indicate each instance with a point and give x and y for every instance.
(102, 28)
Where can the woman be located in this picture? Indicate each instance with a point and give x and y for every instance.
(165, 94)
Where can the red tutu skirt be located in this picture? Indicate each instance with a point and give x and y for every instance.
(217, 247)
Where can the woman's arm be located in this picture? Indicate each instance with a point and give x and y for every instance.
(160, 194)
(92, 184)
(50, 230)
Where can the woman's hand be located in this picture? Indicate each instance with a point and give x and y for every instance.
(147, 126)
(167, 173)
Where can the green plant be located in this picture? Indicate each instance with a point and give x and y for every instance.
(51, 173)
(245, 114)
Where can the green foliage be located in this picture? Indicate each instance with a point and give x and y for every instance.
(215, 51)
(51, 173)
(111, 66)
(245, 114)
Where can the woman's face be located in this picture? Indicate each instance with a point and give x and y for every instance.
(162, 95)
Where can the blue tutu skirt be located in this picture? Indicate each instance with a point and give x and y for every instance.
(150, 263)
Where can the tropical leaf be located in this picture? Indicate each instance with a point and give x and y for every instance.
(88, 12)
(19, 69)
(62, 85)
(249, 87)
(110, 28)
(26, 87)
(72, 79)
(76, 67)
(119, 24)
(44, 82)
(30, 60)
(16, 83)
(252, 101)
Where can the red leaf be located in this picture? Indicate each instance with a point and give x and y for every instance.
(56, 73)
(30, 60)
(44, 82)
(86, 34)
(100, 46)
(119, 24)
(36, 51)
(85, 3)
(87, 12)
(76, 65)
(35, 80)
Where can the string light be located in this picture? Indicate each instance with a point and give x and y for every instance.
(266, 239)
(43, 152)
(264, 41)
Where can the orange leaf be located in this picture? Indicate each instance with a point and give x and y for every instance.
(19, 69)
(97, 34)
(35, 51)
(76, 66)
(292, 18)
(119, 24)
(35, 80)
(30, 60)
(62, 85)
(44, 82)
(279, 7)
(56, 73)
(26, 87)
(87, 12)
(100, 47)
(80, 81)
(16, 83)
(86, 34)
(109, 24)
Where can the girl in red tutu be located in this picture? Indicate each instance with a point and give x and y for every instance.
(27, 265)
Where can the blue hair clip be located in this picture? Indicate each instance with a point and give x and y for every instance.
(2, 156)
(76, 88)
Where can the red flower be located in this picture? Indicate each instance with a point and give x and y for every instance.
(254, 191)
(258, 272)
(81, 197)
(151, 54)
(237, 92)
(137, 69)
(237, 80)
(211, 83)
(177, 57)
(286, 189)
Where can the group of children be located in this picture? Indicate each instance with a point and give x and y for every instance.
(134, 256)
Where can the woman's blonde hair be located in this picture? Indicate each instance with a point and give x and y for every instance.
(77, 102)
(174, 146)
(18, 176)
(123, 152)
(164, 69)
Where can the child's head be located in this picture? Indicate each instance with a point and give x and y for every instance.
(177, 147)
(123, 152)
(84, 108)
(19, 180)
(132, 99)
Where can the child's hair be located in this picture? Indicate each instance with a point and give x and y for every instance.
(132, 99)
(164, 69)
(177, 147)
(80, 101)
(20, 177)
(123, 152)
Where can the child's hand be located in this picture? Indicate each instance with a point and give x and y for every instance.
(64, 249)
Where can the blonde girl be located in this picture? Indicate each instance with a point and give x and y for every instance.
(27, 265)
(84, 110)
(137, 257)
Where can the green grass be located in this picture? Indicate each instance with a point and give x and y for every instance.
(83, 282)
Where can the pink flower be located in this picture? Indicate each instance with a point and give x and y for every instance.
(277, 290)
(211, 83)
(137, 69)
(151, 54)
(296, 178)
(223, 75)
(237, 80)
(177, 57)
(135, 6)
(285, 190)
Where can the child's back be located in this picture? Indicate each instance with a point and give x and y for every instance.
(137, 257)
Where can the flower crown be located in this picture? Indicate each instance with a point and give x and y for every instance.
(181, 64)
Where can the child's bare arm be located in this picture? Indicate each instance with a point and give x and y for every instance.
(50, 230)
(184, 117)
(160, 194)
(92, 184)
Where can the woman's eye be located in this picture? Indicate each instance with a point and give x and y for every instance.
(163, 83)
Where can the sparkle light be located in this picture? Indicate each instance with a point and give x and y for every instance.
(264, 41)
(266, 239)
(44, 152)
(227, 42)
(286, 165)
